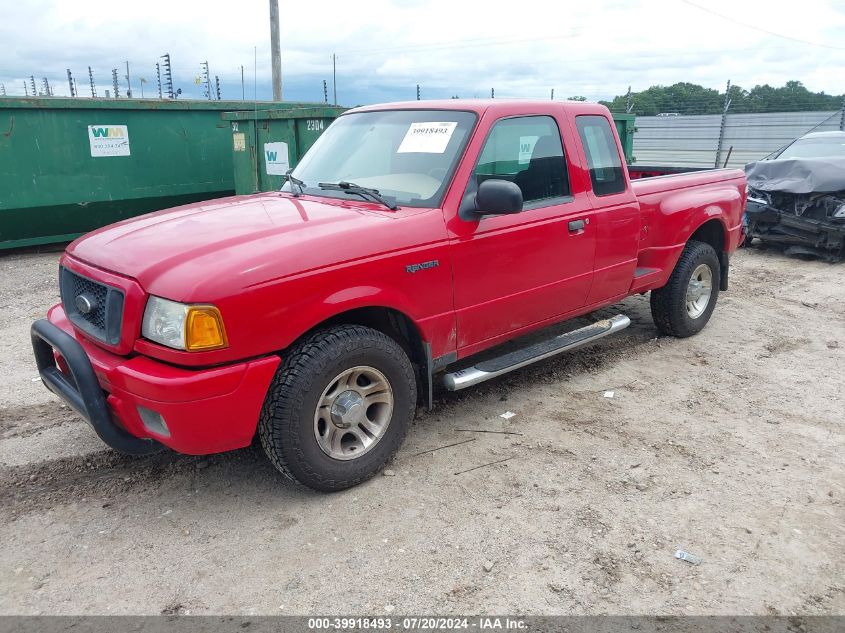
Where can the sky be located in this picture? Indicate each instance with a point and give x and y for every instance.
(385, 48)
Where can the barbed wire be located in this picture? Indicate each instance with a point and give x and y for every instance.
(763, 30)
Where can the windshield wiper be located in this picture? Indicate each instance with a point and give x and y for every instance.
(364, 192)
(294, 181)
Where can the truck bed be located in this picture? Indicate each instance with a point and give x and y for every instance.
(670, 204)
(637, 171)
(673, 182)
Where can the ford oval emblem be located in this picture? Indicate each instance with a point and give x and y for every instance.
(85, 303)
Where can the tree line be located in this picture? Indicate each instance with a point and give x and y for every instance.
(689, 98)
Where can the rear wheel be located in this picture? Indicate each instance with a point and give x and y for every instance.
(338, 408)
(683, 306)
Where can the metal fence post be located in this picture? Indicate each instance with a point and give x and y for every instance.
(722, 125)
(842, 117)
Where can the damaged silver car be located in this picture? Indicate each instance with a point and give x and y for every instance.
(797, 198)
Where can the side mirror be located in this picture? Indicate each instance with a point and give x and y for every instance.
(498, 197)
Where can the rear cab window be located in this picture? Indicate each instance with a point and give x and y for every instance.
(527, 151)
(606, 171)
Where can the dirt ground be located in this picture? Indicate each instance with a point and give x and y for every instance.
(729, 445)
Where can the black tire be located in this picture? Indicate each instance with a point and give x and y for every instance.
(668, 304)
(286, 426)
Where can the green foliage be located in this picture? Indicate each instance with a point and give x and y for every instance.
(687, 98)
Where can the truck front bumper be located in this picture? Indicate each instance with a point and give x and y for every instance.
(137, 405)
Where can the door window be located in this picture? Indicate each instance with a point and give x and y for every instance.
(602, 154)
(528, 152)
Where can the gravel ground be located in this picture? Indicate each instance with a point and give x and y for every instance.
(728, 445)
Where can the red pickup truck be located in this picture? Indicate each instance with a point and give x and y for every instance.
(410, 238)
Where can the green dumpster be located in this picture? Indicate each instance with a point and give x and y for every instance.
(625, 128)
(266, 143)
(68, 166)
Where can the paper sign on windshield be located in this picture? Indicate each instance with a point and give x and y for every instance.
(429, 137)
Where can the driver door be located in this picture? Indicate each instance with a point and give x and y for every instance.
(512, 272)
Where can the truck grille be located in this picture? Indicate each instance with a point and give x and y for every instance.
(95, 308)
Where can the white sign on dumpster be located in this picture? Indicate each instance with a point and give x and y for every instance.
(276, 158)
(526, 148)
(108, 140)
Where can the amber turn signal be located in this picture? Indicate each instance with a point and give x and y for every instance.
(204, 329)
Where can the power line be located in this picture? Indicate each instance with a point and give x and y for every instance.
(468, 43)
(762, 30)
(550, 58)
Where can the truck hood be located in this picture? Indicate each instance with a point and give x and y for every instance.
(202, 251)
(797, 175)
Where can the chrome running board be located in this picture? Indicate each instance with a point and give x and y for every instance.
(485, 370)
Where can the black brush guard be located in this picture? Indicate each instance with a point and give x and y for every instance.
(81, 391)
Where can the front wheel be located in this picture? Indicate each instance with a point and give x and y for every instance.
(338, 408)
(683, 306)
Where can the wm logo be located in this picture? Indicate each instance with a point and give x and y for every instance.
(107, 132)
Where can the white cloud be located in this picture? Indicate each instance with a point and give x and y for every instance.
(523, 49)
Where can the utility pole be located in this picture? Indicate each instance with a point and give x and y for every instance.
(629, 101)
(418, 92)
(32, 83)
(128, 82)
(722, 125)
(553, 94)
(2, 90)
(325, 91)
(217, 86)
(70, 83)
(492, 93)
(25, 89)
(334, 77)
(114, 83)
(158, 78)
(91, 81)
(275, 50)
(48, 91)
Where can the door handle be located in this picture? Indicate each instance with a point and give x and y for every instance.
(576, 225)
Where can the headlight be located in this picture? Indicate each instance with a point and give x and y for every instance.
(751, 195)
(183, 326)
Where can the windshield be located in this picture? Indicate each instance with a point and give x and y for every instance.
(407, 155)
(823, 147)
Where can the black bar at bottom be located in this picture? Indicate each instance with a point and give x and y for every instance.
(81, 391)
